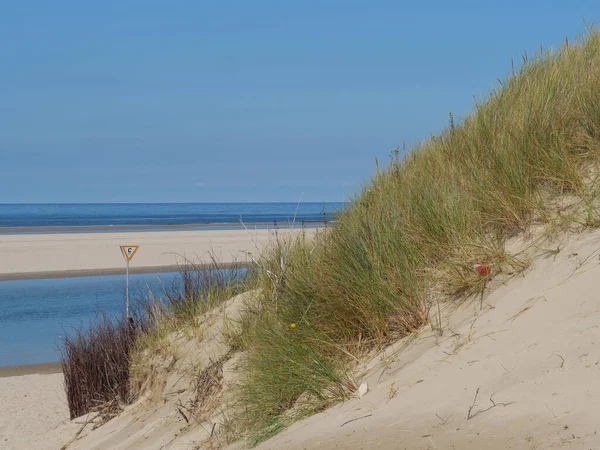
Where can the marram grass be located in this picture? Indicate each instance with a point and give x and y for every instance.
(450, 202)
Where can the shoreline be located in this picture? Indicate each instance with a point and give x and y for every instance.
(102, 272)
(75, 229)
(46, 368)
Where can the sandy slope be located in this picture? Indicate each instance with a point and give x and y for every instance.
(170, 380)
(66, 254)
(532, 351)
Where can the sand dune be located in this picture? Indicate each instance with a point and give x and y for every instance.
(520, 370)
(520, 373)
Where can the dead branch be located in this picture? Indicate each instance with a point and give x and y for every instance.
(358, 418)
(473, 405)
(183, 415)
(76, 436)
(481, 411)
(444, 421)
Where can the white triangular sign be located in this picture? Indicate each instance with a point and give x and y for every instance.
(128, 251)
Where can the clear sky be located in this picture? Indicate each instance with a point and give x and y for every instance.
(183, 101)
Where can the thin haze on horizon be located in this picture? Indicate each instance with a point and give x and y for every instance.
(146, 101)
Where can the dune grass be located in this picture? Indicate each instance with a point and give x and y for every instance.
(417, 229)
(95, 364)
(198, 289)
(99, 362)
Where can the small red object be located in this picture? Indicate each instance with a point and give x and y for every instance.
(482, 269)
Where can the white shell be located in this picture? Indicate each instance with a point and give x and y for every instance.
(363, 389)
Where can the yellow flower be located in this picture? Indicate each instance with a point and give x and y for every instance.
(292, 325)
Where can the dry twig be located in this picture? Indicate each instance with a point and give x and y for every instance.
(494, 404)
(352, 420)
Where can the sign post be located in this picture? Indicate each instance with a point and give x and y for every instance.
(128, 253)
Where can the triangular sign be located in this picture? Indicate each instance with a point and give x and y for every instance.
(129, 251)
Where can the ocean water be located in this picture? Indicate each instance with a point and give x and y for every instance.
(106, 215)
(36, 314)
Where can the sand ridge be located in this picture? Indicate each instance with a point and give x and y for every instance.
(78, 254)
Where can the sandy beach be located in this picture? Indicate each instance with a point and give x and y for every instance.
(80, 254)
(34, 412)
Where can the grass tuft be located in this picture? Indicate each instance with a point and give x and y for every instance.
(95, 365)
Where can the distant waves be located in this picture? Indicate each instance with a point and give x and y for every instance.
(159, 215)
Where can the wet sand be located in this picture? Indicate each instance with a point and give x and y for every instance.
(30, 369)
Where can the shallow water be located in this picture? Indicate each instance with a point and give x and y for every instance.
(35, 314)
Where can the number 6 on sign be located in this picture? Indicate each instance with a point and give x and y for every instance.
(128, 253)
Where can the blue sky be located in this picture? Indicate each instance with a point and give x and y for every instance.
(122, 101)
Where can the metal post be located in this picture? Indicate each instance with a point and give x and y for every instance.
(127, 291)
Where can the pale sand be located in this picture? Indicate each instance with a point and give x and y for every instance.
(533, 350)
(52, 255)
(34, 413)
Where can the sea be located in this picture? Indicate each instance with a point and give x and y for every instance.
(35, 314)
(80, 217)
